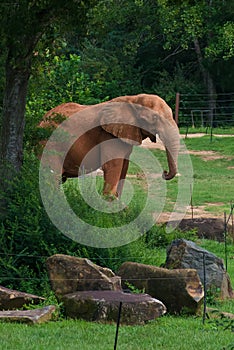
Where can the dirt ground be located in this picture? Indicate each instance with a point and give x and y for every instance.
(207, 224)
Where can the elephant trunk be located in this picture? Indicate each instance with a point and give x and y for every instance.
(172, 163)
(171, 140)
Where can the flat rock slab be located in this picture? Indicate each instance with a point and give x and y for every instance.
(104, 306)
(13, 299)
(28, 316)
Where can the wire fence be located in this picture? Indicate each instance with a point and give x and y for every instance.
(205, 111)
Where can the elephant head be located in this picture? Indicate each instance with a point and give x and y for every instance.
(133, 123)
(168, 134)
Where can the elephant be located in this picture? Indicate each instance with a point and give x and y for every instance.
(53, 117)
(103, 136)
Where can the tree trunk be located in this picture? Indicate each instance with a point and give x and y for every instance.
(12, 127)
(13, 116)
(208, 81)
(212, 98)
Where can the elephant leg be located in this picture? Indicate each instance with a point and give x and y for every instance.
(112, 174)
(122, 177)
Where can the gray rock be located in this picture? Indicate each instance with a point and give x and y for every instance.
(12, 299)
(28, 316)
(180, 290)
(183, 254)
(69, 274)
(103, 306)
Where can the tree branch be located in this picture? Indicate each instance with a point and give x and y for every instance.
(175, 52)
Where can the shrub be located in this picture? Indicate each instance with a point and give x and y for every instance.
(28, 237)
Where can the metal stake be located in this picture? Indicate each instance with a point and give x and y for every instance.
(117, 326)
(205, 291)
(225, 239)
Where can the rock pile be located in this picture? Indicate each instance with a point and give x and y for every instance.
(93, 293)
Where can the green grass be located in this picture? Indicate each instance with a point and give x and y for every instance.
(223, 145)
(84, 204)
(170, 333)
(213, 179)
(215, 131)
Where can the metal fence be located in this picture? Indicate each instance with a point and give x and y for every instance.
(203, 110)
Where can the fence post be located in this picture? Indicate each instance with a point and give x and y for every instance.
(205, 289)
(117, 326)
(177, 107)
(225, 240)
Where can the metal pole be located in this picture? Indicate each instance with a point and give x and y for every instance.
(205, 291)
(177, 107)
(211, 125)
(225, 239)
(186, 134)
(211, 134)
(232, 207)
(117, 326)
(191, 200)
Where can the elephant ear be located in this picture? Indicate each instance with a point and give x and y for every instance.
(120, 120)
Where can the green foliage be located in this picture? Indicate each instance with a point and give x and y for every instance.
(166, 83)
(50, 299)
(157, 236)
(60, 80)
(212, 296)
(27, 235)
(133, 289)
(96, 217)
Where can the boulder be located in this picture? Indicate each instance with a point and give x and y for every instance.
(69, 274)
(28, 316)
(12, 299)
(180, 290)
(183, 254)
(103, 306)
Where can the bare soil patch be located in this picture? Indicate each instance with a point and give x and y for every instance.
(206, 225)
(207, 155)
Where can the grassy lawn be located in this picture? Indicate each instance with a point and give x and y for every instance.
(166, 333)
(213, 179)
(215, 131)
